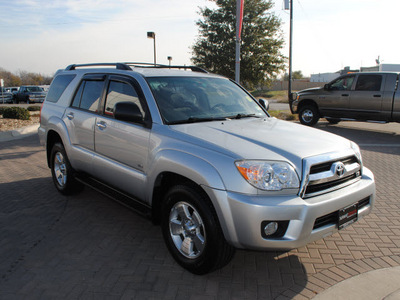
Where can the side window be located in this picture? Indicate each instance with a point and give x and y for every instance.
(121, 92)
(58, 87)
(369, 83)
(342, 84)
(88, 95)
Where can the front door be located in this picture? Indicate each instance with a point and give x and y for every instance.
(336, 98)
(121, 147)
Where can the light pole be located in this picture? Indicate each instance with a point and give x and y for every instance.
(169, 60)
(152, 35)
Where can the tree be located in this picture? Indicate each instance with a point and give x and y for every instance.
(295, 75)
(9, 78)
(261, 43)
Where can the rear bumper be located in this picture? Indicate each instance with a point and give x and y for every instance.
(241, 215)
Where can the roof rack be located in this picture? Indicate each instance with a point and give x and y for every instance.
(119, 66)
(127, 66)
(150, 65)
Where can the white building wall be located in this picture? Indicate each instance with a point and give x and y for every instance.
(323, 77)
(389, 67)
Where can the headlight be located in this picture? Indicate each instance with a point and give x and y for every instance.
(268, 175)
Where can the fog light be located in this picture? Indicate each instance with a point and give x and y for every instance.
(270, 228)
(273, 229)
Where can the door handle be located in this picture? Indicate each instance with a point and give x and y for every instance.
(70, 116)
(377, 96)
(345, 95)
(101, 125)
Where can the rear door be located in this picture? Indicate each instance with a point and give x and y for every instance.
(80, 119)
(122, 147)
(366, 99)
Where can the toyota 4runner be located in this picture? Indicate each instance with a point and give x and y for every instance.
(200, 156)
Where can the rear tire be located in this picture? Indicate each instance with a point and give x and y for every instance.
(62, 172)
(192, 232)
(308, 115)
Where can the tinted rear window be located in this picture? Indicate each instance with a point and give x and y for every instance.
(58, 87)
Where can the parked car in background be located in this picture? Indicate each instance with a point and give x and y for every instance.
(200, 156)
(30, 94)
(368, 96)
(5, 96)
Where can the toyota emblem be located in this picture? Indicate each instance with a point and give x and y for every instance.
(339, 169)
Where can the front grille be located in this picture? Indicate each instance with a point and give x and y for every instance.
(330, 175)
(311, 189)
(323, 167)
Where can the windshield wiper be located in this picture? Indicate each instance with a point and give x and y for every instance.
(240, 116)
(196, 120)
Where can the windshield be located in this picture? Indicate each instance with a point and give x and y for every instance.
(194, 99)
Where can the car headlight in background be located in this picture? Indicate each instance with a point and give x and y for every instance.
(268, 175)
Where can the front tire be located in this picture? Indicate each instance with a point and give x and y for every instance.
(308, 115)
(62, 172)
(192, 232)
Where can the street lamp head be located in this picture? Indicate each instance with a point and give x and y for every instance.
(151, 35)
(169, 58)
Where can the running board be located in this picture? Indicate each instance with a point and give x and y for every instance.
(118, 196)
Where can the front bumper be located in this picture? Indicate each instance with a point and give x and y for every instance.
(241, 215)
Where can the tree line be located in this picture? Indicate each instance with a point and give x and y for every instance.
(23, 78)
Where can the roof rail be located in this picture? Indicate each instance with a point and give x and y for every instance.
(127, 66)
(150, 65)
(119, 66)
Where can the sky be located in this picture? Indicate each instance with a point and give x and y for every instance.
(42, 36)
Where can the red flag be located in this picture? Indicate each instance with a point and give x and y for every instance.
(241, 18)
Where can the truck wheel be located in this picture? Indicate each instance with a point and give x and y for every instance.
(62, 172)
(192, 232)
(308, 115)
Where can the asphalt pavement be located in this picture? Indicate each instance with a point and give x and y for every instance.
(89, 247)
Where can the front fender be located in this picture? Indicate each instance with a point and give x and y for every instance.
(187, 165)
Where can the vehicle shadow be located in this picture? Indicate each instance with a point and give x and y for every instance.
(60, 245)
(371, 137)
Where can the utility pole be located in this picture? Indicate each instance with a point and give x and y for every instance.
(239, 20)
(290, 47)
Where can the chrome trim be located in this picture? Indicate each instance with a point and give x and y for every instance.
(321, 177)
(332, 175)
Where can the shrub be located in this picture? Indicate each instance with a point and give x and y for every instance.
(16, 113)
(34, 108)
(2, 110)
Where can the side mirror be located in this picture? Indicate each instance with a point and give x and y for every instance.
(264, 103)
(326, 87)
(128, 111)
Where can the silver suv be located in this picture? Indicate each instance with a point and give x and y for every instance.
(200, 156)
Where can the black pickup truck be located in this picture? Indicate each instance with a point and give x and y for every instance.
(29, 94)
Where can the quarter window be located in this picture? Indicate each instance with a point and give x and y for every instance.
(58, 87)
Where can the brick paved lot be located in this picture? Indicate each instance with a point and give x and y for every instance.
(89, 247)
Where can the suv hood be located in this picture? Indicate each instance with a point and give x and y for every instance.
(264, 138)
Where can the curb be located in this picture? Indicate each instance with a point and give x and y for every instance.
(18, 133)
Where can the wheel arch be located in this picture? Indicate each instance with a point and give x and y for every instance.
(307, 102)
(52, 138)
